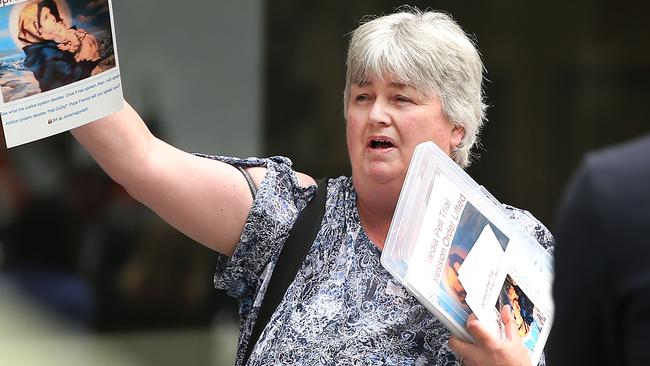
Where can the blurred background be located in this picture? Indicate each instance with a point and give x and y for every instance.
(90, 277)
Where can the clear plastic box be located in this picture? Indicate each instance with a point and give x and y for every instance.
(453, 246)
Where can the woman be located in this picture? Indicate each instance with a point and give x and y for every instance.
(411, 77)
(56, 54)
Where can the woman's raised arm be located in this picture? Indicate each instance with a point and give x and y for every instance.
(205, 199)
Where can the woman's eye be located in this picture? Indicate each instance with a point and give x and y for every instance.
(361, 98)
(402, 99)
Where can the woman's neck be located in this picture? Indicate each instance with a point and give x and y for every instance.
(376, 207)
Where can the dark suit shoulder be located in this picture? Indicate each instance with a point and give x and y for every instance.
(622, 170)
(623, 158)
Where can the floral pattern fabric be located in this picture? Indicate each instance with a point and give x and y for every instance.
(343, 307)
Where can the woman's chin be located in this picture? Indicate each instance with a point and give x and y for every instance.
(381, 174)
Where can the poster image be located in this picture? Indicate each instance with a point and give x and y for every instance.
(527, 316)
(452, 296)
(47, 44)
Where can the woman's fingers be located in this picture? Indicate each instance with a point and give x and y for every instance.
(491, 349)
(465, 350)
(509, 322)
(459, 346)
(481, 334)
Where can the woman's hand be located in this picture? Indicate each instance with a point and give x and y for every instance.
(490, 349)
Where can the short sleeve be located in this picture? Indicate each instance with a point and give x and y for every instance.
(275, 208)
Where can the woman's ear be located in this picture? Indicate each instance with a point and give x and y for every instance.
(457, 134)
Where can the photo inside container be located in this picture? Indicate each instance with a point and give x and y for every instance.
(528, 319)
(470, 226)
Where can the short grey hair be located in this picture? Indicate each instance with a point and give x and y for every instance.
(429, 51)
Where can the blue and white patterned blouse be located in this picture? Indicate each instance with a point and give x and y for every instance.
(343, 307)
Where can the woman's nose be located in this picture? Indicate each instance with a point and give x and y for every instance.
(379, 113)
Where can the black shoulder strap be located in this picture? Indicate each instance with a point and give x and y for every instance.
(301, 237)
(249, 180)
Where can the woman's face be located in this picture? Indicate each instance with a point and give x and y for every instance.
(512, 293)
(50, 26)
(385, 121)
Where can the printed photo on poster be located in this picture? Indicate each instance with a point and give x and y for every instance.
(47, 44)
(453, 294)
(528, 318)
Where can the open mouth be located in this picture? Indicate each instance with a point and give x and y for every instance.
(380, 144)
